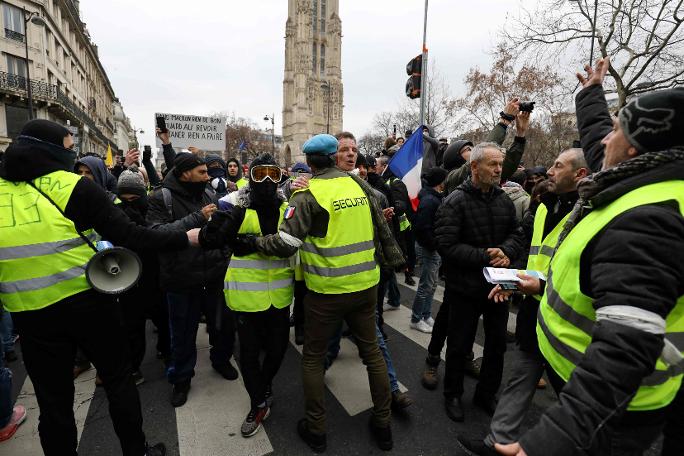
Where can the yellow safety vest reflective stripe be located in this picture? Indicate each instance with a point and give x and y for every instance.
(52, 267)
(566, 316)
(255, 282)
(344, 260)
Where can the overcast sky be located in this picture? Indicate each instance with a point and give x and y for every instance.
(204, 56)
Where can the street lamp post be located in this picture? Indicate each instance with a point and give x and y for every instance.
(37, 20)
(135, 132)
(326, 85)
(272, 119)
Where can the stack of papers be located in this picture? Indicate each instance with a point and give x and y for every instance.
(508, 278)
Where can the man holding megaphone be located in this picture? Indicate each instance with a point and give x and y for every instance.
(47, 218)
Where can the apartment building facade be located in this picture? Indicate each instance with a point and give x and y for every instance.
(62, 75)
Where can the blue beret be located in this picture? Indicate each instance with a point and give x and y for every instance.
(320, 145)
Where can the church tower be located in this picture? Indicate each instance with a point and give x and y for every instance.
(312, 86)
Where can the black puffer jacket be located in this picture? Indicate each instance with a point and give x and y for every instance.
(468, 223)
(424, 220)
(192, 267)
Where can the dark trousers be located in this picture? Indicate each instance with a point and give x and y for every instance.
(324, 314)
(49, 338)
(185, 310)
(410, 241)
(673, 444)
(269, 331)
(133, 307)
(300, 291)
(440, 330)
(384, 285)
(158, 312)
(464, 315)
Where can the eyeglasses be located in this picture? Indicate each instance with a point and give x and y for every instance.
(259, 173)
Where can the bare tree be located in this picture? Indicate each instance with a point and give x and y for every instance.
(488, 92)
(370, 143)
(552, 128)
(643, 38)
(244, 139)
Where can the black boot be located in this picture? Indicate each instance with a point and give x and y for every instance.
(454, 409)
(179, 395)
(382, 436)
(155, 450)
(316, 442)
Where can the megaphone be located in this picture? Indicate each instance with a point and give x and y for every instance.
(113, 270)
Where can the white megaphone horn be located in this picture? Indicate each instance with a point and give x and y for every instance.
(113, 270)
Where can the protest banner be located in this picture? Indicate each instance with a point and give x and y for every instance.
(206, 133)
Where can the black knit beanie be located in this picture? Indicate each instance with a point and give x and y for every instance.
(185, 162)
(653, 122)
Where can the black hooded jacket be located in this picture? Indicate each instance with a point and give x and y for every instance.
(97, 167)
(89, 205)
(192, 267)
(239, 173)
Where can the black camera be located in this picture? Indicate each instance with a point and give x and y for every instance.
(526, 106)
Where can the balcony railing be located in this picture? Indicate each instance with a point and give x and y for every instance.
(16, 85)
(16, 36)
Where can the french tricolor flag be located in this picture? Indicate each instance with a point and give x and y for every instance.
(407, 164)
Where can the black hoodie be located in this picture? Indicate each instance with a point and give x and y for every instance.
(192, 267)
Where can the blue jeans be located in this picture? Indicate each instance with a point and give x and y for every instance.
(391, 373)
(5, 390)
(6, 332)
(422, 304)
(184, 316)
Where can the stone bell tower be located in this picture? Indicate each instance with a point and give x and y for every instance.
(312, 86)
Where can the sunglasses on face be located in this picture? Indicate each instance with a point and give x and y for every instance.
(260, 173)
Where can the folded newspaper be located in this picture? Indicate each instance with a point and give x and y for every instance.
(508, 278)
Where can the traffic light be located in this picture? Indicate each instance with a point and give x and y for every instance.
(414, 69)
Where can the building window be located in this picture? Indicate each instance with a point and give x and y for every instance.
(322, 59)
(16, 66)
(323, 14)
(314, 16)
(16, 117)
(14, 22)
(314, 50)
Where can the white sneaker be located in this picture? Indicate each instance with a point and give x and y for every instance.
(430, 321)
(388, 307)
(422, 327)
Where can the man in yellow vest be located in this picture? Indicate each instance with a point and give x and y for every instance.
(611, 319)
(334, 225)
(47, 217)
(258, 288)
(568, 169)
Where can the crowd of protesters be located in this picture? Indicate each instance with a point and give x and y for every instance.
(255, 249)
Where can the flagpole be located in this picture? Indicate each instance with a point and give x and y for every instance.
(593, 35)
(423, 72)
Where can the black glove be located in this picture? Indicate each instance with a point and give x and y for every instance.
(147, 154)
(215, 234)
(244, 244)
